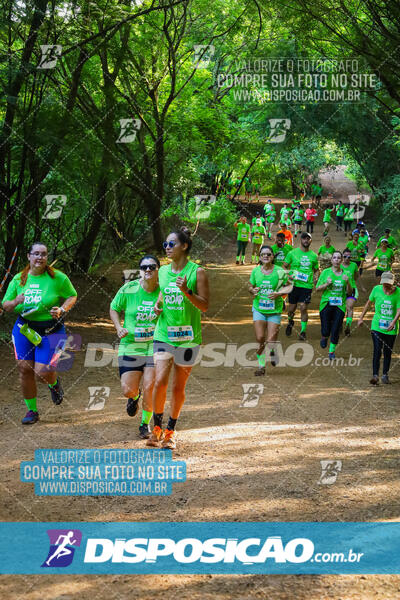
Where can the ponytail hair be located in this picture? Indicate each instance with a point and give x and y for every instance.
(25, 271)
(184, 236)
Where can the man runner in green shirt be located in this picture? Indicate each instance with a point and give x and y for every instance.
(303, 264)
(351, 270)
(280, 249)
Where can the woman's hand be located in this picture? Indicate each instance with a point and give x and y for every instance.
(158, 308)
(122, 332)
(392, 325)
(254, 290)
(181, 282)
(20, 299)
(56, 312)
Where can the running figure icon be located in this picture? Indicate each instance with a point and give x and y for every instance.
(62, 549)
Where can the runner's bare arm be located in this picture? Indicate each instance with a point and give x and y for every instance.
(282, 291)
(58, 311)
(253, 290)
(9, 305)
(158, 305)
(364, 312)
(201, 299)
(115, 318)
(393, 323)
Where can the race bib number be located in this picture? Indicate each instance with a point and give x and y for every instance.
(267, 304)
(144, 334)
(335, 301)
(180, 334)
(384, 324)
(301, 276)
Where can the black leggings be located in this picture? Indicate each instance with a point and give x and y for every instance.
(310, 226)
(241, 248)
(331, 322)
(347, 225)
(339, 222)
(386, 341)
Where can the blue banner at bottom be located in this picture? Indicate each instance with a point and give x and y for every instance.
(200, 548)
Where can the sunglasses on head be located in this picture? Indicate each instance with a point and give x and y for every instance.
(169, 244)
(151, 267)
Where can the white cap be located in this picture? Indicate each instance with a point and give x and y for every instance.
(387, 277)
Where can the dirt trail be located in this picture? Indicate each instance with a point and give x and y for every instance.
(259, 463)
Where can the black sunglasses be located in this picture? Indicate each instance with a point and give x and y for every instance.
(169, 244)
(151, 267)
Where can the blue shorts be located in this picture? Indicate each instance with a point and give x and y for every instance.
(274, 318)
(49, 349)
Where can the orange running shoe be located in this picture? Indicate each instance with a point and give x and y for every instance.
(169, 440)
(155, 438)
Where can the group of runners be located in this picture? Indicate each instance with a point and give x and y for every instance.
(293, 216)
(286, 276)
(158, 316)
(160, 334)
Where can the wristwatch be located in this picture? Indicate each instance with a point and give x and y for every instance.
(190, 292)
(63, 309)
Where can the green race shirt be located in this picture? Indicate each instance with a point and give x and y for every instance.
(42, 292)
(357, 250)
(349, 213)
(324, 250)
(280, 253)
(385, 309)
(284, 213)
(258, 232)
(268, 208)
(139, 318)
(351, 269)
(302, 266)
(298, 214)
(267, 284)
(340, 210)
(180, 321)
(363, 239)
(254, 219)
(271, 217)
(243, 232)
(384, 259)
(335, 294)
(327, 215)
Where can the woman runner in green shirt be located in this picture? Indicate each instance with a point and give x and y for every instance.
(268, 284)
(325, 253)
(385, 325)
(40, 296)
(184, 294)
(334, 285)
(385, 256)
(136, 299)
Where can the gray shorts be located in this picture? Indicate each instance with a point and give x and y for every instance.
(183, 357)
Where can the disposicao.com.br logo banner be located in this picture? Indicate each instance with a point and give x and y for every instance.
(197, 548)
